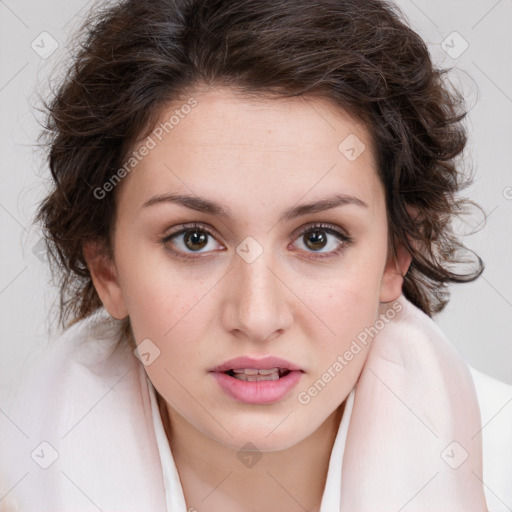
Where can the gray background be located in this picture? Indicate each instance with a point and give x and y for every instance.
(478, 318)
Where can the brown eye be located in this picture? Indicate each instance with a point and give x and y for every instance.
(315, 239)
(195, 239)
(191, 240)
(322, 240)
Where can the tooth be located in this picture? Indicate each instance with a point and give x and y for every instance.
(254, 371)
(267, 372)
(256, 378)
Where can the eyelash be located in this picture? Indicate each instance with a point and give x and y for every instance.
(346, 240)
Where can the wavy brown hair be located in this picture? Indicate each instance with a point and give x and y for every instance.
(136, 56)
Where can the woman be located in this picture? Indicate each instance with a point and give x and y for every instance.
(251, 218)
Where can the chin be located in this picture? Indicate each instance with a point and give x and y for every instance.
(267, 435)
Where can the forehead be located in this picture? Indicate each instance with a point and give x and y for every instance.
(218, 143)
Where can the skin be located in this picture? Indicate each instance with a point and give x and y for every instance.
(257, 158)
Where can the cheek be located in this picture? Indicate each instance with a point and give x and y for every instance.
(158, 312)
(346, 309)
(159, 296)
(348, 297)
(355, 309)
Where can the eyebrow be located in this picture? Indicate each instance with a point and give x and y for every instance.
(204, 205)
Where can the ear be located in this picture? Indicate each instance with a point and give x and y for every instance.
(397, 265)
(104, 277)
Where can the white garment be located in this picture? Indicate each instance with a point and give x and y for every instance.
(91, 416)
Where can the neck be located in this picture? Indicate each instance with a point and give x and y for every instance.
(213, 477)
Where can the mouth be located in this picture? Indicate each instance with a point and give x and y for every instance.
(253, 380)
(257, 375)
(256, 366)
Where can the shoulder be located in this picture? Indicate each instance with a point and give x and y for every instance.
(79, 362)
(83, 404)
(495, 400)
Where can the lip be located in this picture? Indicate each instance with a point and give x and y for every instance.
(262, 392)
(262, 363)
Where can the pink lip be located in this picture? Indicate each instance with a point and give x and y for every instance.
(263, 363)
(263, 392)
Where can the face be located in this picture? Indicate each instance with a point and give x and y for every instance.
(245, 264)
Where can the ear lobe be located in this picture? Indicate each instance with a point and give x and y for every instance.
(397, 266)
(104, 277)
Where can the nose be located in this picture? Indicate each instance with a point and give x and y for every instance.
(258, 307)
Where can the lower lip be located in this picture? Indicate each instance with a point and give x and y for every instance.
(262, 392)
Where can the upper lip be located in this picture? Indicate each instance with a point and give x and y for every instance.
(263, 363)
